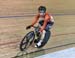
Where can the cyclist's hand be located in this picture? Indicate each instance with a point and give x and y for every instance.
(28, 27)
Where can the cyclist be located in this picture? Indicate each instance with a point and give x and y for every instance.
(44, 20)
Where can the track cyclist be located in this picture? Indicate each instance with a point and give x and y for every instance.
(44, 20)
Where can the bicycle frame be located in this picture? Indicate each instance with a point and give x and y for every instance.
(36, 30)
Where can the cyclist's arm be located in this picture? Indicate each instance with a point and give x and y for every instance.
(35, 20)
(45, 23)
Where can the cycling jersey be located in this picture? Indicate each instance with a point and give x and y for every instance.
(46, 19)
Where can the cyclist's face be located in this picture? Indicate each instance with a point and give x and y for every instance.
(42, 13)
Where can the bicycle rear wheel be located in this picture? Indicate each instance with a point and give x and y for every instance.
(27, 40)
(46, 38)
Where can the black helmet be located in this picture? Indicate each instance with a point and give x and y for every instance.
(42, 8)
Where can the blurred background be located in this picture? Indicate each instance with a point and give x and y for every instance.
(21, 7)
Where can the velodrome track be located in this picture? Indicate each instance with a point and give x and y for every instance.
(12, 30)
(17, 14)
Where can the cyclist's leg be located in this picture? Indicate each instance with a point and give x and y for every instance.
(39, 25)
(48, 27)
(41, 39)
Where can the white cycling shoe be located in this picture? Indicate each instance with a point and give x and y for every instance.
(38, 44)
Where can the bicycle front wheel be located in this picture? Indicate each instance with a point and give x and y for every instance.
(27, 40)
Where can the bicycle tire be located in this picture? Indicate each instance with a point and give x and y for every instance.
(27, 40)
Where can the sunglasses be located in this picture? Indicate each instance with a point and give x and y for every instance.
(42, 11)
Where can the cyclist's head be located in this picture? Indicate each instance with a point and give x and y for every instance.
(42, 10)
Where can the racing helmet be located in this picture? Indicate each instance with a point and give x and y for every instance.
(42, 9)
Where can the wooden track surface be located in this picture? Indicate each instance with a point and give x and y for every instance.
(12, 29)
